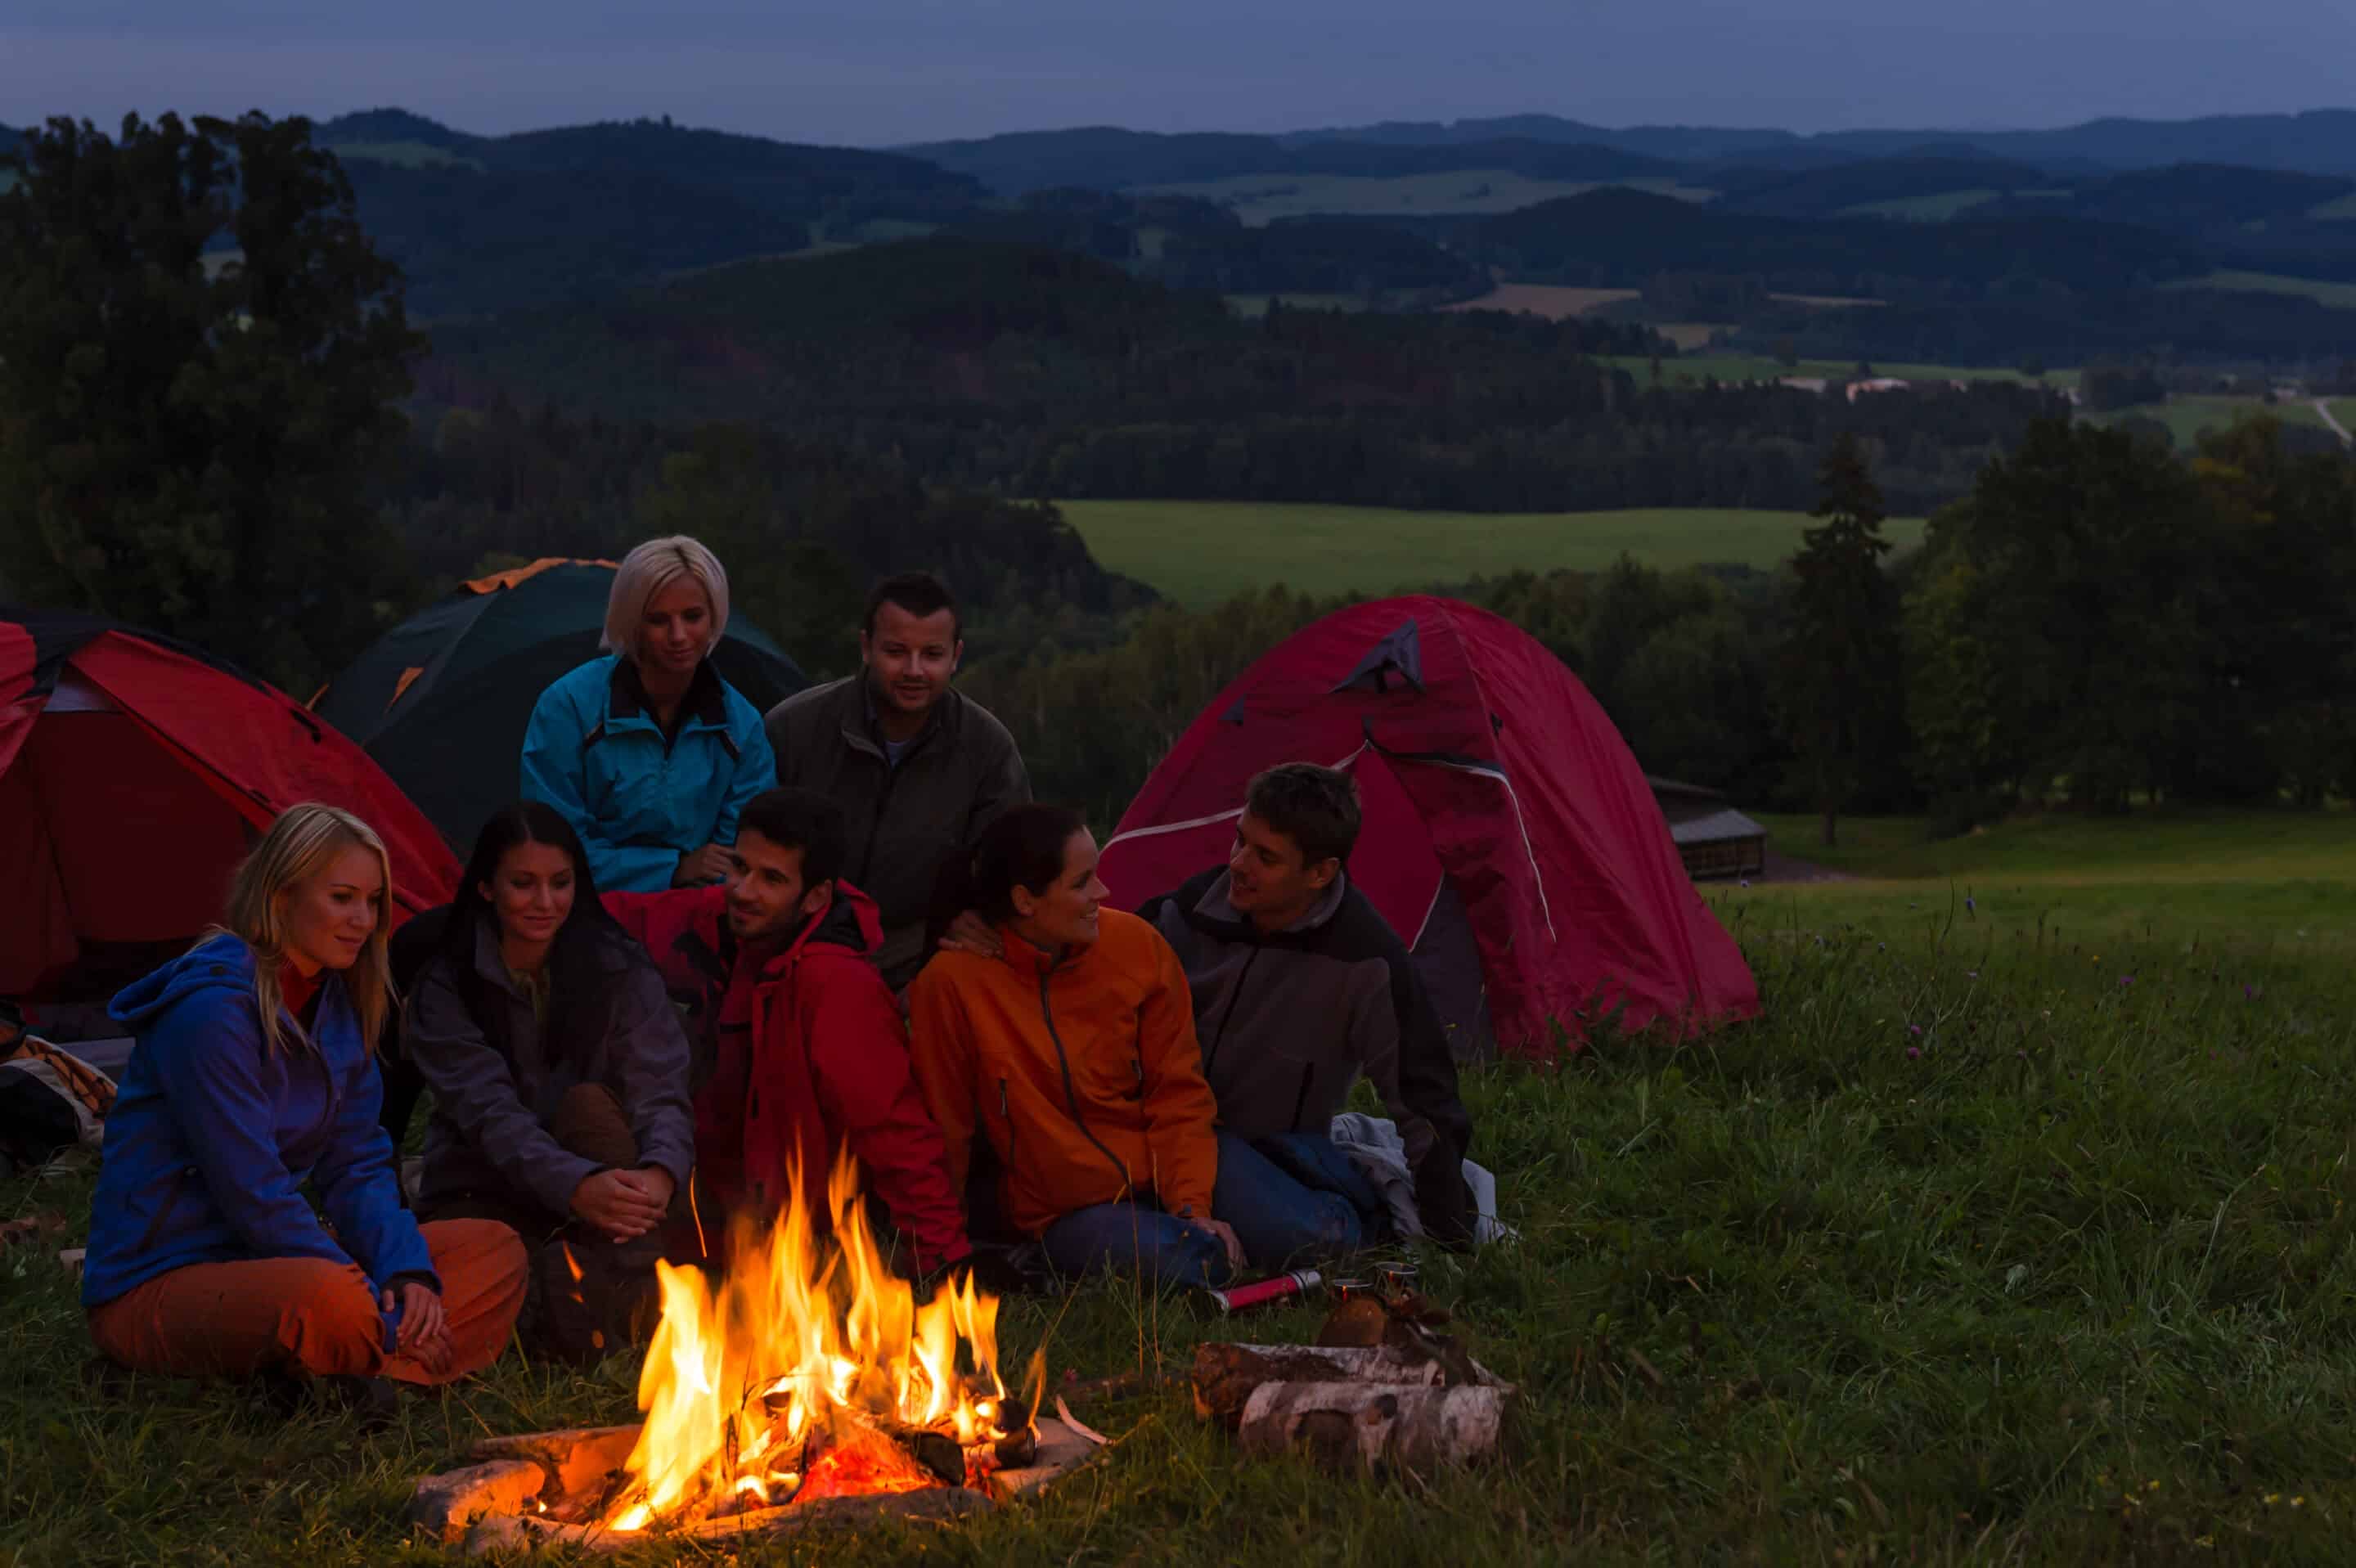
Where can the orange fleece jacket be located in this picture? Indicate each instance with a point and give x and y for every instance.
(1083, 1075)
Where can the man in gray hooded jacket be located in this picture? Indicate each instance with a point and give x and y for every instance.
(1300, 985)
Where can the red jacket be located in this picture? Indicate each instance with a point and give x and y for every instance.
(821, 1064)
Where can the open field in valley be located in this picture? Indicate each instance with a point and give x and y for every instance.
(1202, 552)
(1698, 367)
(2337, 295)
(1262, 199)
(2187, 416)
(1986, 1243)
(1551, 300)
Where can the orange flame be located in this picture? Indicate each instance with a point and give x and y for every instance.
(805, 1337)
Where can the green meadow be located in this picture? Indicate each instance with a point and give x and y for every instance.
(1695, 369)
(1993, 1239)
(2189, 417)
(1201, 553)
(2338, 296)
(1260, 199)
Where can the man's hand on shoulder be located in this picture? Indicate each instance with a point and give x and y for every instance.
(969, 932)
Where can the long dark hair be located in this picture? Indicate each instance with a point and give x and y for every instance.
(1024, 848)
(587, 944)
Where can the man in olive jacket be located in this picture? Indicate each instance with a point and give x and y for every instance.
(917, 769)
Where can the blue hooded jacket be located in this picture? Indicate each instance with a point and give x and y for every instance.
(213, 1133)
(638, 800)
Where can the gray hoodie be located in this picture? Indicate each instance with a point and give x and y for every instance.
(498, 1078)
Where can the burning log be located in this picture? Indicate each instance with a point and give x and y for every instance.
(1376, 1427)
(507, 1532)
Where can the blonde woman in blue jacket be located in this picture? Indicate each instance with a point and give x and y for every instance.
(251, 1079)
(646, 752)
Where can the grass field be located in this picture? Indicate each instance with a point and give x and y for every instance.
(2282, 880)
(1202, 552)
(2187, 417)
(1251, 307)
(2338, 296)
(1736, 368)
(1261, 199)
(1988, 1245)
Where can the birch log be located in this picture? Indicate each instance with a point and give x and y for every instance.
(1376, 1427)
(1225, 1377)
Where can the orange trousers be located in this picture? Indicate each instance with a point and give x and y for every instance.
(234, 1319)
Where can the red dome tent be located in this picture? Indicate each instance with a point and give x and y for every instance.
(134, 772)
(1509, 836)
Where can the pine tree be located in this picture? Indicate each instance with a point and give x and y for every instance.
(1841, 661)
(200, 359)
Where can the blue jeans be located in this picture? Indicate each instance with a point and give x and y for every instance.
(1135, 1238)
(1281, 1218)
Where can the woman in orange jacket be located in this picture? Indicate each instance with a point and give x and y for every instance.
(1072, 1050)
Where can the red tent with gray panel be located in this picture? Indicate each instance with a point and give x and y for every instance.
(1509, 836)
(134, 772)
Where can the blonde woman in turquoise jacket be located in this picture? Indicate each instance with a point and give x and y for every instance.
(646, 752)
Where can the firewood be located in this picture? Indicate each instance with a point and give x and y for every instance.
(1376, 1429)
(442, 1507)
(1226, 1376)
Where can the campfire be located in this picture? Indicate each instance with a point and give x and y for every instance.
(807, 1381)
(811, 1373)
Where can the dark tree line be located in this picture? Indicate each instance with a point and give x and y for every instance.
(1037, 373)
(2099, 623)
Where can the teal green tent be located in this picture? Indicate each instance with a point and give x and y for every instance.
(440, 702)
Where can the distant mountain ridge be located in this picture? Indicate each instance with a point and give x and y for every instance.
(2315, 141)
(1109, 157)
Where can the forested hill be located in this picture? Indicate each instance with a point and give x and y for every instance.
(480, 223)
(1042, 373)
(2320, 141)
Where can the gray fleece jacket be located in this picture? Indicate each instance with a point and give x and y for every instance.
(1287, 1020)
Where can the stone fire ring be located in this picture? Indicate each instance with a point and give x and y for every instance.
(501, 1501)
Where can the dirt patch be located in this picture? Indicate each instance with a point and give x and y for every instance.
(1545, 299)
(1783, 869)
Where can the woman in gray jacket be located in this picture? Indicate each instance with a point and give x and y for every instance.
(559, 1075)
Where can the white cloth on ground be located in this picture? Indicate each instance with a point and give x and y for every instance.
(1373, 1145)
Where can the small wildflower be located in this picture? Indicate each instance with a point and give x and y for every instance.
(1970, 905)
(2298, 1503)
(1913, 1052)
(2151, 1486)
(1913, 1029)
(1970, 974)
(2271, 1499)
(1746, 882)
(2126, 980)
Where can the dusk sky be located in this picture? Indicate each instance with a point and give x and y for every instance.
(875, 72)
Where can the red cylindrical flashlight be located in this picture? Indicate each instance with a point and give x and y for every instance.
(1236, 1299)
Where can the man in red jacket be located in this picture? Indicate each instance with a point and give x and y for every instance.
(800, 1048)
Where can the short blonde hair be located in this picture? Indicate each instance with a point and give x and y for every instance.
(647, 572)
(298, 846)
